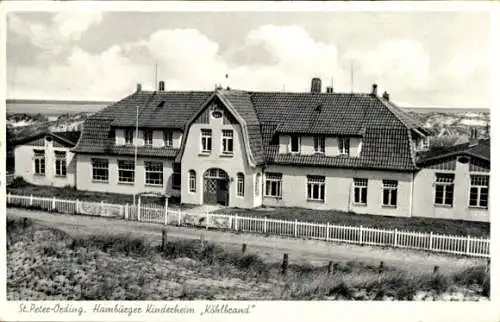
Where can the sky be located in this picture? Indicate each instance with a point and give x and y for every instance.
(422, 59)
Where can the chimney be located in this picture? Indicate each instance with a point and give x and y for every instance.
(316, 85)
(139, 87)
(374, 89)
(161, 86)
(329, 89)
(385, 96)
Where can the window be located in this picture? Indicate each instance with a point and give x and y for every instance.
(390, 193)
(206, 140)
(167, 138)
(227, 141)
(176, 176)
(148, 137)
(39, 162)
(192, 181)
(241, 184)
(60, 163)
(126, 171)
(273, 185)
(316, 188)
(295, 144)
(319, 144)
(443, 189)
(129, 136)
(257, 184)
(154, 173)
(100, 170)
(344, 145)
(479, 190)
(360, 191)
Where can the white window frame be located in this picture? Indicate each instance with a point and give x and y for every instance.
(240, 184)
(319, 144)
(60, 164)
(276, 180)
(360, 185)
(316, 188)
(447, 181)
(391, 187)
(129, 136)
(126, 167)
(206, 140)
(153, 167)
(192, 181)
(480, 182)
(148, 137)
(292, 137)
(100, 164)
(227, 141)
(39, 162)
(168, 138)
(344, 145)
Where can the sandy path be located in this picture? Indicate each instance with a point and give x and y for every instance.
(269, 248)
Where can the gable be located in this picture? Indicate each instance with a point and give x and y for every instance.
(213, 110)
(442, 164)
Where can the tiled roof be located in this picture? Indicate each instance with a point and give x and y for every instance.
(383, 126)
(479, 150)
(67, 139)
(70, 136)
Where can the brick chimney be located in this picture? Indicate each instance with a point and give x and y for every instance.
(385, 96)
(329, 89)
(374, 89)
(316, 85)
(161, 86)
(139, 87)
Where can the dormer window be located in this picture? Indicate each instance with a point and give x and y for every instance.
(129, 136)
(344, 146)
(148, 137)
(319, 144)
(167, 138)
(295, 144)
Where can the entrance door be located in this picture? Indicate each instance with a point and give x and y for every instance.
(215, 187)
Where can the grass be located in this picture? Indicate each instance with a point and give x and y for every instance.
(438, 226)
(47, 264)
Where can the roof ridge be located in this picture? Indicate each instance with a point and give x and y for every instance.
(390, 107)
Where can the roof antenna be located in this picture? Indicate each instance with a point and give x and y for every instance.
(156, 77)
(227, 84)
(352, 77)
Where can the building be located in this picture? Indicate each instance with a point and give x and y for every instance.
(46, 159)
(353, 152)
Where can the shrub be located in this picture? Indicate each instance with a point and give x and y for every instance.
(123, 244)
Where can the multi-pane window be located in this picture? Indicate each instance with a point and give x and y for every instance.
(154, 172)
(360, 191)
(227, 141)
(39, 162)
(176, 176)
(390, 193)
(295, 144)
(479, 191)
(126, 171)
(100, 170)
(129, 136)
(192, 181)
(148, 137)
(206, 140)
(443, 189)
(257, 184)
(319, 144)
(60, 163)
(167, 138)
(344, 146)
(240, 184)
(273, 184)
(316, 188)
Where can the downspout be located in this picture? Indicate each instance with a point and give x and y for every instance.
(411, 194)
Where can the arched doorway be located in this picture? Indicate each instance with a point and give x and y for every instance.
(216, 187)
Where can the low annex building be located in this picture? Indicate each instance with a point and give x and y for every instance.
(353, 152)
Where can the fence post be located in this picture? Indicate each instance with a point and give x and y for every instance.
(179, 217)
(31, 200)
(236, 222)
(327, 231)
(166, 211)
(395, 238)
(139, 209)
(295, 228)
(430, 241)
(53, 203)
(77, 204)
(265, 223)
(467, 252)
(360, 234)
(284, 265)
(243, 249)
(163, 240)
(126, 211)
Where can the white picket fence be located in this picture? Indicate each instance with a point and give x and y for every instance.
(460, 245)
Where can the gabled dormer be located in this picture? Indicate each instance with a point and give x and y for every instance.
(326, 145)
(155, 138)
